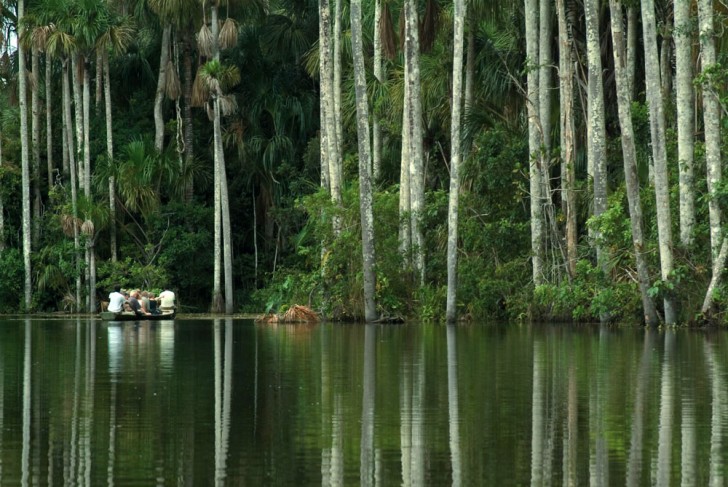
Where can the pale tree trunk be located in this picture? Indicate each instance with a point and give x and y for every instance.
(49, 118)
(110, 155)
(365, 184)
(624, 100)
(159, 96)
(227, 246)
(631, 48)
(78, 112)
(379, 75)
(99, 80)
(568, 170)
(329, 119)
(337, 76)
(405, 206)
(596, 130)
(25, 159)
(217, 300)
(64, 148)
(711, 120)
(538, 252)
(26, 204)
(68, 131)
(659, 156)
(459, 17)
(715, 280)
(35, 138)
(544, 85)
(416, 156)
(685, 115)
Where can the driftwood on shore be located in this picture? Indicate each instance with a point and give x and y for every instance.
(295, 314)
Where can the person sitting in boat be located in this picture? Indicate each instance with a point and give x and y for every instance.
(154, 304)
(116, 300)
(146, 305)
(167, 301)
(136, 306)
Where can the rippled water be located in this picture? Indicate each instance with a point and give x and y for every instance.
(228, 402)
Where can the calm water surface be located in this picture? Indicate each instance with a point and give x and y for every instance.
(228, 402)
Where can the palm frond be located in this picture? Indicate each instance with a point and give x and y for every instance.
(172, 85)
(205, 41)
(200, 93)
(228, 36)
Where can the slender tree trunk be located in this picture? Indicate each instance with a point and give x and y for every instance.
(227, 246)
(568, 149)
(405, 203)
(35, 137)
(217, 299)
(110, 155)
(544, 83)
(78, 111)
(659, 156)
(632, 13)
(159, 97)
(417, 183)
(99, 79)
(68, 131)
(365, 184)
(25, 159)
(2, 211)
(64, 147)
(624, 100)
(189, 135)
(685, 116)
(49, 118)
(459, 16)
(90, 259)
(327, 92)
(596, 129)
(534, 143)
(715, 280)
(337, 76)
(379, 75)
(711, 120)
(469, 96)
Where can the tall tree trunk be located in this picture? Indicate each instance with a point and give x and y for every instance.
(90, 259)
(227, 246)
(459, 16)
(405, 203)
(379, 75)
(2, 208)
(365, 164)
(659, 156)
(78, 111)
(217, 299)
(624, 100)
(110, 156)
(49, 118)
(159, 96)
(596, 129)
(337, 76)
(68, 131)
(711, 120)
(25, 159)
(417, 173)
(568, 149)
(544, 84)
(538, 252)
(329, 118)
(685, 114)
(35, 138)
(631, 47)
(189, 134)
(469, 96)
(99, 79)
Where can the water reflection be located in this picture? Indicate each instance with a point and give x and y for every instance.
(228, 402)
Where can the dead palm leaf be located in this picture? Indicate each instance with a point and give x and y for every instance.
(205, 41)
(228, 36)
(69, 224)
(172, 84)
(200, 93)
(228, 105)
(386, 32)
(87, 228)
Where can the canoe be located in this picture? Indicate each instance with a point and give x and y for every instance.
(129, 316)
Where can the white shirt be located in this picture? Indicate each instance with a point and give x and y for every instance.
(167, 298)
(116, 302)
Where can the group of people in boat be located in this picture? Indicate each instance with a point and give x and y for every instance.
(140, 302)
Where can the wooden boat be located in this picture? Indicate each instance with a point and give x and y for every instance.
(129, 316)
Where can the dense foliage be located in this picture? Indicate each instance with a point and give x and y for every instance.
(285, 248)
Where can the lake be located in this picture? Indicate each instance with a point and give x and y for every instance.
(231, 402)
